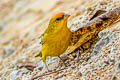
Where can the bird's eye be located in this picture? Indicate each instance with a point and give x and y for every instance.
(59, 18)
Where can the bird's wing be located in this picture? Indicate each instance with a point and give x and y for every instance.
(43, 38)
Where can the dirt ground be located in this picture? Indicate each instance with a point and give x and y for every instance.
(23, 21)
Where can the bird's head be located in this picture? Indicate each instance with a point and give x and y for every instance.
(59, 20)
(60, 16)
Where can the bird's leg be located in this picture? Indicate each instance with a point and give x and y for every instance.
(62, 61)
(46, 67)
(44, 60)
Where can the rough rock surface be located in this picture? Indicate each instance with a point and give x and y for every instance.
(23, 21)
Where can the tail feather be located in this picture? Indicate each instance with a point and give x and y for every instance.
(39, 54)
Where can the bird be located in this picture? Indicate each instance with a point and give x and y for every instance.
(56, 38)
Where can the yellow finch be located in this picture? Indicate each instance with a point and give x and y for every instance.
(56, 38)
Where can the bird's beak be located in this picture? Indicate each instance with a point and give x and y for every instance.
(66, 15)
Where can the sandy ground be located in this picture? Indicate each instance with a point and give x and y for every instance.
(23, 21)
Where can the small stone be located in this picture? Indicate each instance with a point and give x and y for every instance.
(28, 65)
(78, 74)
(63, 57)
(18, 78)
(117, 67)
(86, 45)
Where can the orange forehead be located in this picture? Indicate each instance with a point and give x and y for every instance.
(60, 14)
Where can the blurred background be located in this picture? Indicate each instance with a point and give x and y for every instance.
(23, 21)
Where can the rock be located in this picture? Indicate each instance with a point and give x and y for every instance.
(117, 67)
(18, 73)
(9, 49)
(14, 75)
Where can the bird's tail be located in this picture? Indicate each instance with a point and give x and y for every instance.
(39, 54)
